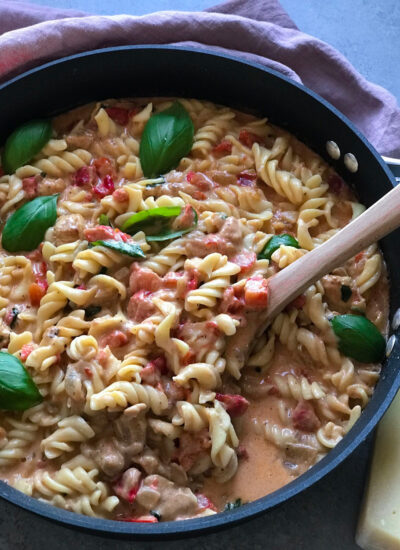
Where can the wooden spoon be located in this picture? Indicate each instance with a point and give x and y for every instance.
(376, 222)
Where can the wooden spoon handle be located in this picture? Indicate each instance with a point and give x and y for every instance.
(376, 222)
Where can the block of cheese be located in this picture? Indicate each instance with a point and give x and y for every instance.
(379, 524)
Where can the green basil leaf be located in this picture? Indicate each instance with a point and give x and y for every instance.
(359, 338)
(155, 182)
(91, 311)
(104, 220)
(26, 227)
(146, 218)
(345, 292)
(167, 137)
(17, 389)
(274, 243)
(24, 143)
(233, 504)
(131, 249)
(173, 234)
(168, 235)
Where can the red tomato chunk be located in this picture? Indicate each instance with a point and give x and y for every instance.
(223, 147)
(26, 350)
(256, 292)
(105, 187)
(248, 138)
(119, 115)
(245, 260)
(236, 405)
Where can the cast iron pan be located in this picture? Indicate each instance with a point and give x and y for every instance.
(185, 72)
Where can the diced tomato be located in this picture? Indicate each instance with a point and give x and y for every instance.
(223, 146)
(188, 358)
(242, 452)
(256, 292)
(248, 138)
(202, 182)
(39, 270)
(304, 417)
(204, 502)
(149, 374)
(160, 364)
(192, 284)
(30, 186)
(140, 306)
(105, 232)
(299, 302)
(104, 187)
(212, 326)
(103, 167)
(35, 255)
(119, 115)
(142, 278)
(359, 257)
(171, 278)
(236, 405)
(336, 184)
(246, 179)
(199, 195)
(36, 293)
(132, 493)
(141, 519)
(99, 233)
(120, 195)
(185, 219)
(230, 302)
(26, 350)
(114, 339)
(190, 175)
(245, 260)
(88, 372)
(84, 176)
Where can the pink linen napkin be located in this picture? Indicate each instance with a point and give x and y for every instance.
(255, 30)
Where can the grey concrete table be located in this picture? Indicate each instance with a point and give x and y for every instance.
(325, 516)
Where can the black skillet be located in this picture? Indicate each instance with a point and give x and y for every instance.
(171, 71)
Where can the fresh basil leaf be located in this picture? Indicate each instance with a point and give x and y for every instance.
(91, 311)
(168, 235)
(14, 318)
(233, 504)
(155, 182)
(104, 220)
(167, 137)
(17, 389)
(26, 227)
(274, 243)
(359, 338)
(131, 249)
(345, 292)
(173, 234)
(146, 218)
(24, 143)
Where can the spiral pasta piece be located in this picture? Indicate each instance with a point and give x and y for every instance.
(73, 429)
(122, 394)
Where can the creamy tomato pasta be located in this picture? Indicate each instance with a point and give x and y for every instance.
(137, 249)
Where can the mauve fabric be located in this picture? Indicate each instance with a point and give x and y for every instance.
(255, 30)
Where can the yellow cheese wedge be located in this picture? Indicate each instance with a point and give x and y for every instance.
(379, 524)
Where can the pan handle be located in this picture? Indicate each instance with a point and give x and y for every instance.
(394, 165)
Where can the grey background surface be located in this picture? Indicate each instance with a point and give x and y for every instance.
(325, 516)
